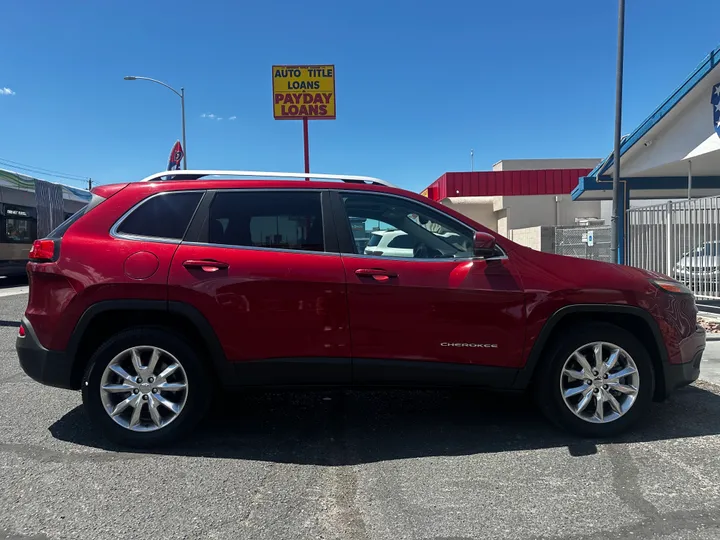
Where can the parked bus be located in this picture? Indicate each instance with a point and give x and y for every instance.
(29, 209)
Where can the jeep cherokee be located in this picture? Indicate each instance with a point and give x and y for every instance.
(160, 291)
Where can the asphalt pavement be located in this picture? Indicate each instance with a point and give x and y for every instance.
(355, 465)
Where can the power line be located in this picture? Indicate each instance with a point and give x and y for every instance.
(34, 173)
(24, 170)
(39, 170)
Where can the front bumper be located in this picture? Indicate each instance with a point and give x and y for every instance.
(52, 368)
(687, 371)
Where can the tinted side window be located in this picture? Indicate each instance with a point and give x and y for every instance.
(281, 220)
(428, 233)
(403, 241)
(163, 216)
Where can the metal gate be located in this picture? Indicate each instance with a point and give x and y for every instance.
(678, 239)
(584, 242)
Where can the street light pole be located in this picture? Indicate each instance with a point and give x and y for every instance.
(181, 95)
(614, 244)
(182, 104)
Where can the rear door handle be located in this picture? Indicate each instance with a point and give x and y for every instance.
(378, 274)
(206, 265)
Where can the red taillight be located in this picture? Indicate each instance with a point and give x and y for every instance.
(21, 331)
(42, 250)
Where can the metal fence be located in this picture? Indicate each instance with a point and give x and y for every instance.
(678, 239)
(584, 242)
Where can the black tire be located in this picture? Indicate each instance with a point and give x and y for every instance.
(198, 390)
(547, 383)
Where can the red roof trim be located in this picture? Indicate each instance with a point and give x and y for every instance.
(508, 183)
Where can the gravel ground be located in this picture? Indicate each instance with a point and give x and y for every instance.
(355, 465)
(711, 323)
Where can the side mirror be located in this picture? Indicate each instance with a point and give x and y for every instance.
(483, 245)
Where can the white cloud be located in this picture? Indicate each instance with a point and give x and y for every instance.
(5, 91)
(212, 116)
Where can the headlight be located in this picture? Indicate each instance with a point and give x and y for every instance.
(671, 286)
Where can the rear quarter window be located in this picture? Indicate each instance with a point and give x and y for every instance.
(166, 215)
(374, 240)
(61, 229)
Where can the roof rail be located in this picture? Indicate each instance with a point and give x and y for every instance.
(195, 175)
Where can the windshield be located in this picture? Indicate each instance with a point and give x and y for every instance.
(707, 249)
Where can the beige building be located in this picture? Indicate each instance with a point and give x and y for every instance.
(520, 196)
(544, 164)
(505, 214)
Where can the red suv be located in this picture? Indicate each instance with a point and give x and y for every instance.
(161, 291)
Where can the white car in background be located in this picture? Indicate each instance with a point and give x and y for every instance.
(396, 243)
(390, 244)
(700, 266)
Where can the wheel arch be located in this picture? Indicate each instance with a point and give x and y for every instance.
(635, 319)
(103, 319)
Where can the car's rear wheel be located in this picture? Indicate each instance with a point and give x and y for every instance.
(596, 380)
(145, 387)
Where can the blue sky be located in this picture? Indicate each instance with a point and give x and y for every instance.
(418, 83)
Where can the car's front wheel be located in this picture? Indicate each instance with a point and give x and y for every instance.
(597, 380)
(145, 387)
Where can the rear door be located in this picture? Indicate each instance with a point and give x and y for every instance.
(262, 266)
(438, 305)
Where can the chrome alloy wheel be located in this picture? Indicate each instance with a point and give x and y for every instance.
(599, 382)
(144, 388)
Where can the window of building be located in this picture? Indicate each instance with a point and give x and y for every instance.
(280, 220)
(19, 230)
(163, 216)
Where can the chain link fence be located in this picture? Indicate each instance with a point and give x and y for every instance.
(585, 242)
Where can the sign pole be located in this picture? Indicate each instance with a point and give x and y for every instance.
(307, 147)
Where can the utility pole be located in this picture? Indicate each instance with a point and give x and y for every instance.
(472, 160)
(614, 244)
(89, 184)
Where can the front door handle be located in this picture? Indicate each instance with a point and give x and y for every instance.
(378, 274)
(206, 265)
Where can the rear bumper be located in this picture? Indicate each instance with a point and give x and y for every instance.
(688, 371)
(52, 368)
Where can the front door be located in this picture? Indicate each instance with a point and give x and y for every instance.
(417, 295)
(261, 272)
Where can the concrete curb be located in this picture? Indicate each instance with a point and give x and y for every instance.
(711, 307)
(712, 337)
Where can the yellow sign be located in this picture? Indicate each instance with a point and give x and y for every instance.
(303, 92)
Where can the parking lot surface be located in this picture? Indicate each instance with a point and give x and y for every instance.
(355, 465)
